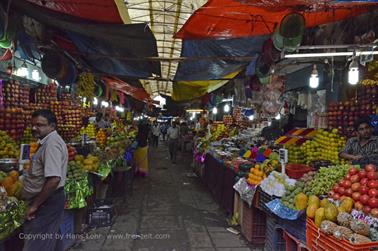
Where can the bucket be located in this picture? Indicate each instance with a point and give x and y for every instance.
(57, 66)
(288, 36)
(263, 71)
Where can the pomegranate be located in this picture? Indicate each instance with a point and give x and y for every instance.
(364, 181)
(374, 212)
(362, 174)
(367, 209)
(348, 192)
(364, 199)
(373, 192)
(372, 184)
(364, 190)
(356, 187)
(370, 167)
(353, 171)
(355, 178)
(358, 206)
(356, 196)
(347, 183)
(373, 203)
(372, 175)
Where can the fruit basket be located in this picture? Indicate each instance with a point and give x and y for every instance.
(296, 171)
(319, 241)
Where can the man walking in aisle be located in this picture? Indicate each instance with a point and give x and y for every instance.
(43, 185)
(155, 134)
(173, 137)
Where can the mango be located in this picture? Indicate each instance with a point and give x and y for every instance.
(314, 200)
(319, 216)
(300, 201)
(331, 212)
(311, 210)
(324, 202)
(347, 204)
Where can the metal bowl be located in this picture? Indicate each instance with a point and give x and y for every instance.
(7, 165)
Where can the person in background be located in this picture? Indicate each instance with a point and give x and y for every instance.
(100, 123)
(163, 130)
(173, 138)
(209, 126)
(141, 153)
(364, 147)
(43, 188)
(184, 131)
(155, 134)
(108, 121)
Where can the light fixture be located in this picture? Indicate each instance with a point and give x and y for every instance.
(251, 117)
(226, 108)
(84, 99)
(314, 79)
(35, 75)
(278, 117)
(95, 101)
(104, 104)
(331, 54)
(215, 110)
(23, 70)
(119, 108)
(353, 73)
(227, 99)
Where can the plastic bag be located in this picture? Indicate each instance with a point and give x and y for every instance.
(246, 192)
(282, 211)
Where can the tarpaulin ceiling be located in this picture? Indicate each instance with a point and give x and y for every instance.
(165, 18)
(221, 52)
(232, 19)
(114, 49)
(102, 11)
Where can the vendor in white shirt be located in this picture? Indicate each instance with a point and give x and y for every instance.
(173, 138)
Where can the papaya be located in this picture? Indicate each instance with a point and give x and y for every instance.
(319, 216)
(331, 212)
(300, 201)
(314, 200)
(324, 202)
(347, 204)
(311, 210)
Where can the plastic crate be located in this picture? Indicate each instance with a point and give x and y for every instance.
(253, 224)
(101, 215)
(296, 228)
(318, 241)
(292, 243)
(274, 240)
(264, 198)
(67, 228)
(296, 171)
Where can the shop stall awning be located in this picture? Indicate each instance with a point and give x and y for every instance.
(233, 19)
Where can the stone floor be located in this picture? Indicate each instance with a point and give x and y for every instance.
(169, 210)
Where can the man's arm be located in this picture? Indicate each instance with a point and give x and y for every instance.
(347, 153)
(48, 188)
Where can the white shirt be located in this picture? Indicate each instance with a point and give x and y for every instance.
(156, 130)
(173, 133)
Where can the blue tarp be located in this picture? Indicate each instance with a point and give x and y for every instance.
(212, 69)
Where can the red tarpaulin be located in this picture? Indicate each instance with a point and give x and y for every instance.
(103, 11)
(232, 19)
(135, 92)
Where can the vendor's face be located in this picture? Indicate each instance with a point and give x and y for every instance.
(41, 127)
(364, 131)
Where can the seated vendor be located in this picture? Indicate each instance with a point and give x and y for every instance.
(364, 146)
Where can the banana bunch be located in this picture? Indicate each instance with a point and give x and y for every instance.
(86, 85)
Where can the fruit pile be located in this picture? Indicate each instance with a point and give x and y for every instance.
(328, 145)
(276, 183)
(8, 148)
(75, 171)
(90, 131)
(27, 136)
(362, 186)
(296, 155)
(300, 187)
(86, 85)
(90, 163)
(71, 152)
(11, 183)
(256, 175)
(47, 94)
(343, 115)
(101, 137)
(227, 119)
(12, 121)
(325, 179)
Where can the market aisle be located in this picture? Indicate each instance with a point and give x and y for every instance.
(169, 211)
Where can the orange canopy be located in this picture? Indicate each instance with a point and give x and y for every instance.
(233, 19)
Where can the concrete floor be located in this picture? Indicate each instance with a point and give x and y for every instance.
(169, 210)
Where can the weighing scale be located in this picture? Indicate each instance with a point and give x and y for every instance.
(283, 158)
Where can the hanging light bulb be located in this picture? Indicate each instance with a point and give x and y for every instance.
(95, 101)
(278, 117)
(215, 110)
(353, 73)
(23, 70)
(314, 79)
(35, 75)
(251, 117)
(226, 108)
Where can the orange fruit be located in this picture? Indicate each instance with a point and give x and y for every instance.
(7, 182)
(14, 175)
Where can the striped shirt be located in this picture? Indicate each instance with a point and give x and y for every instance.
(369, 149)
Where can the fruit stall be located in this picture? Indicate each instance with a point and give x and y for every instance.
(95, 156)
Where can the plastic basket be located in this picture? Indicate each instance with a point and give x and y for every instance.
(296, 171)
(263, 199)
(274, 240)
(296, 228)
(292, 243)
(253, 225)
(318, 241)
(67, 229)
